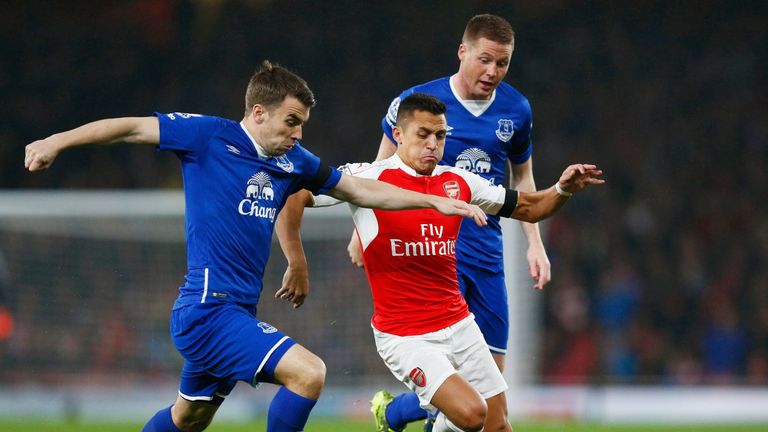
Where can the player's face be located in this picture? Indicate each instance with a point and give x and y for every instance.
(421, 140)
(484, 64)
(280, 126)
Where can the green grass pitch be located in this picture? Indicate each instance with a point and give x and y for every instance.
(333, 425)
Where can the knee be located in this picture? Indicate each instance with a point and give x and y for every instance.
(471, 417)
(311, 379)
(192, 421)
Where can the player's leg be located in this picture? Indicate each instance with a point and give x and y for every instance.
(200, 395)
(302, 375)
(485, 292)
(394, 413)
(461, 406)
(476, 364)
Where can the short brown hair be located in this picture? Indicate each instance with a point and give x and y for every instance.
(270, 85)
(491, 27)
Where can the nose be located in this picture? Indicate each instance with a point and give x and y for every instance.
(431, 142)
(491, 70)
(296, 133)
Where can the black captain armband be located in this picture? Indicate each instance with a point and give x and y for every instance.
(318, 180)
(510, 203)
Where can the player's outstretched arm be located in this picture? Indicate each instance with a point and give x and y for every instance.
(386, 149)
(375, 194)
(535, 206)
(295, 287)
(40, 154)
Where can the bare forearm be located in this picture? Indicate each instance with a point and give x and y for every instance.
(535, 206)
(375, 194)
(109, 131)
(288, 228)
(525, 183)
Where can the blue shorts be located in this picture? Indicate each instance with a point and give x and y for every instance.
(484, 290)
(223, 343)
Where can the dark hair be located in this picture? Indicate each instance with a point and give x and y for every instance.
(419, 102)
(491, 27)
(270, 85)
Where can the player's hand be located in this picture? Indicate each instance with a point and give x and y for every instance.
(452, 207)
(538, 265)
(295, 285)
(354, 250)
(40, 154)
(577, 177)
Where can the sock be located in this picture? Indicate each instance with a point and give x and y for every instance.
(442, 424)
(403, 410)
(288, 411)
(161, 422)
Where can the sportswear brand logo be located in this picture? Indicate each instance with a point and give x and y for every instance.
(259, 189)
(418, 377)
(266, 328)
(474, 160)
(233, 149)
(284, 163)
(452, 189)
(505, 130)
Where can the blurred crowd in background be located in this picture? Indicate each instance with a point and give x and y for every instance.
(659, 277)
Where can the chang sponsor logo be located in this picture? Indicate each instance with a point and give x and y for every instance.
(259, 198)
(474, 160)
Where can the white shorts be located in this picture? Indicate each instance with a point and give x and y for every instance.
(425, 361)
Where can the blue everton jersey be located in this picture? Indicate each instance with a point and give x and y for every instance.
(481, 144)
(232, 199)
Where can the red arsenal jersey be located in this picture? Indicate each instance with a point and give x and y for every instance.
(410, 255)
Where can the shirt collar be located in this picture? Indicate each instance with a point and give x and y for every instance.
(476, 107)
(259, 150)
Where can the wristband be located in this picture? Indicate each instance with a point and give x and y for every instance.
(561, 191)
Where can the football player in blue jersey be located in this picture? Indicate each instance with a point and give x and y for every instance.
(237, 176)
(489, 126)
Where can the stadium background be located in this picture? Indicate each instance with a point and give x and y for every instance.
(661, 277)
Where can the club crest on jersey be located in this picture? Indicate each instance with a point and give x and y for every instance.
(452, 189)
(418, 377)
(266, 328)
(505, 130)
(284, 163)
(474, 160)
(258, 192)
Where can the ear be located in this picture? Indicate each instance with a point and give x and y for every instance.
(397, 134)
(462, 52)
(259, 113)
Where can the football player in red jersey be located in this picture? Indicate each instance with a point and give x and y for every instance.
(422, 326)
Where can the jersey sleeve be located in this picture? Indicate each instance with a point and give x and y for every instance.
(390, 119)
(321, 178)
(356, 169)
(492, 199)
(521, 146)
(187, 133)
